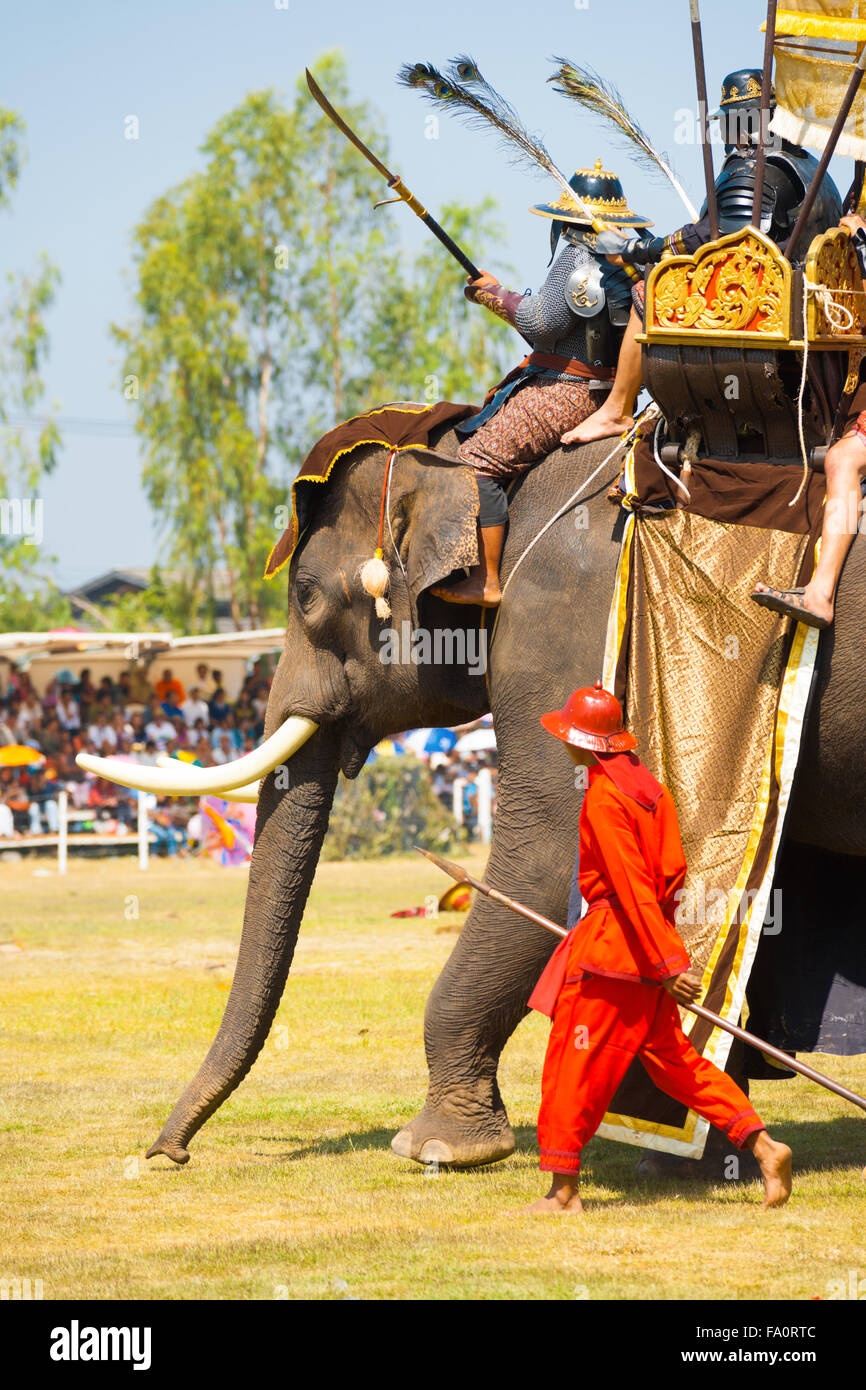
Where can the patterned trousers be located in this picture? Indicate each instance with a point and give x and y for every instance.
(528, 427)
(599, 1026)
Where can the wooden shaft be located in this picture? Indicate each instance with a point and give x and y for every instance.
(706, 148)
(766, 84)
(460, 256)
(419, 210)
(832, 141)
(792, 1063)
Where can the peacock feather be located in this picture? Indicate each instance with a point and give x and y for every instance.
(602, 99)
(465, 94)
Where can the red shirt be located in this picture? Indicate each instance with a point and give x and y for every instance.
(634, 855)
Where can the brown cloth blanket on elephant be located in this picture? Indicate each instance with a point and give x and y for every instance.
(397, 425)
(716, 691)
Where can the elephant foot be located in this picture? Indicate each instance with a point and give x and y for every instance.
(720, 1162)
(434, 1136)
(176, 1152)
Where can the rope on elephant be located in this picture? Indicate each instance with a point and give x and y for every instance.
(388, 518)
(622, 442)
(664, 468)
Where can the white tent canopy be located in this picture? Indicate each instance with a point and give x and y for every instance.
(108, 653)
(17, 646)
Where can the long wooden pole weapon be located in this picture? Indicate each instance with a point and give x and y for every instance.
(832, 141)
(701, 78)
(766, 86)
(393, 180)
(461, 875)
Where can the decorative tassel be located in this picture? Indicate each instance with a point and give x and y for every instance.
(376, 578)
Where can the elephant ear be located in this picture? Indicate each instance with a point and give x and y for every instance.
(438, 512)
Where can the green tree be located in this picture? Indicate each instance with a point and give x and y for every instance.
(272, 302)
(11, 149)
(388, 809)
(28, 452)
(430, 342)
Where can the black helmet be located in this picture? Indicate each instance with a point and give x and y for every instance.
(739, 108)
(742, 88)
(602, 192)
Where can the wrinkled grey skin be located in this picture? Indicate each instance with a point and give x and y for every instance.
(550, 639)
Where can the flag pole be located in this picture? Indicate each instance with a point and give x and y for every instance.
(766, 88)
(701, 79)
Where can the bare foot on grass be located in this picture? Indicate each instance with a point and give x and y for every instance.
(775, 1164)
(563, 1199)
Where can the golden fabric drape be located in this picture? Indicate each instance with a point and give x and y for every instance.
(817, 43)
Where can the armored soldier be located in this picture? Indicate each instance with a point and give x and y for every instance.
(787, 177)
(574, 326)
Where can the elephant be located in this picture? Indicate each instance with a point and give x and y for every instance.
(548, 638)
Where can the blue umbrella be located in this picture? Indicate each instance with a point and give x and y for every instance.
(440, 741)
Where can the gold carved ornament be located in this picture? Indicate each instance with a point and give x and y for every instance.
(832, 263)
(752, 89)
(581, 298)
(737, 285)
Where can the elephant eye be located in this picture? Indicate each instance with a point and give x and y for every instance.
(305, 589)
(308, 594)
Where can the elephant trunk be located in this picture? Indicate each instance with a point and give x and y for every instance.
(289, 832)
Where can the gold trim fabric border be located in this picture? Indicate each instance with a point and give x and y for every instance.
(398, 408)
(780, 763)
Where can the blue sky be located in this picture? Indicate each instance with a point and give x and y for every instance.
(76, 72)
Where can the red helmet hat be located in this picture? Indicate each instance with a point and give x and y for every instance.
(591, 718)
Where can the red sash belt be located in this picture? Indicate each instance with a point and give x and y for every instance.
(552, 362)
(570, 366)
(546, 992)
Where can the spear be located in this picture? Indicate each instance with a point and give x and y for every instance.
(766, 86)
(461, 875)
(393, 180)
(701, 78)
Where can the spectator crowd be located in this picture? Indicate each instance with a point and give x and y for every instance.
(131, 718)
(124, 716)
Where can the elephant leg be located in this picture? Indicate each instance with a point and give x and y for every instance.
(474, 1007)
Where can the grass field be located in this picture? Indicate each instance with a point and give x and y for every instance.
(113, 984)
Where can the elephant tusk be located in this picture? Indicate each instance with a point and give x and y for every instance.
(169, 781)
(249, 792)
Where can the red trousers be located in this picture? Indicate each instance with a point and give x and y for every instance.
(599, 1026)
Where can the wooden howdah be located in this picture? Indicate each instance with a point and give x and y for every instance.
(724, 338)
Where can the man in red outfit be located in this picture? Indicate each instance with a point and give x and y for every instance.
(612, 984)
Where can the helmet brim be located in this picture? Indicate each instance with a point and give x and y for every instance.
(559, 214)
(738, 104)
(619, 742)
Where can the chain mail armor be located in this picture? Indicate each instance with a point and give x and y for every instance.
(546, 319)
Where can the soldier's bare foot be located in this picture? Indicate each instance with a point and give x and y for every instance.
(775, 1164)
(604, 424)
(483, 593)
(563, 1199)
(818, 600)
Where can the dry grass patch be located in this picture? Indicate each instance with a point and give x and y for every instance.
(292, 1190)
